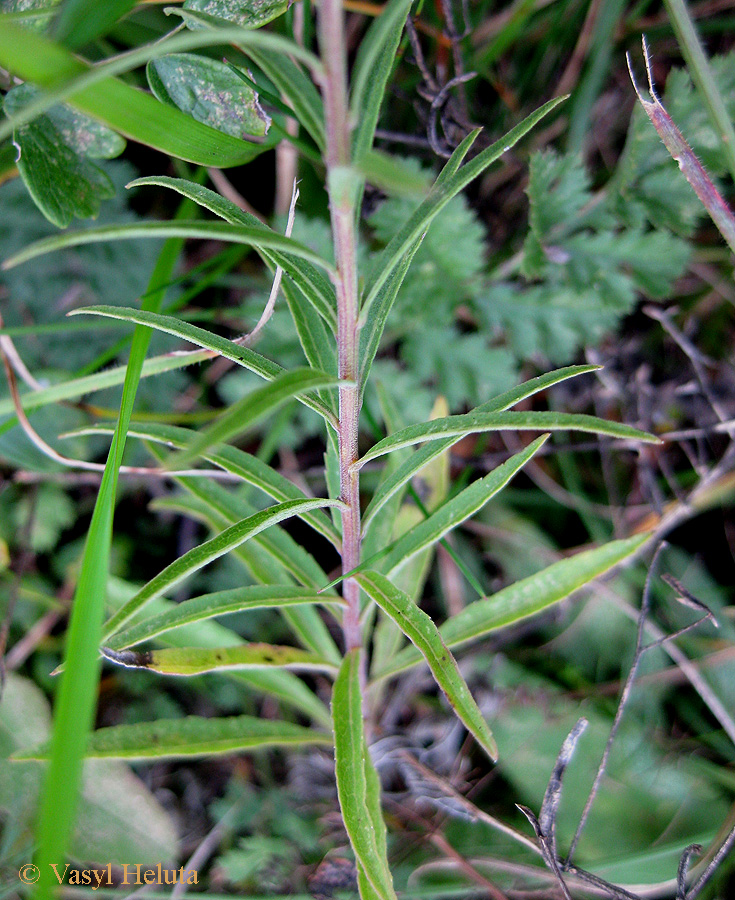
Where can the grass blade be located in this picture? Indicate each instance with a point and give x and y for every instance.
(469, 423)
(210, 230)
(195, 661)
(75, 699)
(208, 606)
(203, 554)
(458, 509)
(524, 598)
(191, 737)
(421, 457)
(352, 762)
(423, 633)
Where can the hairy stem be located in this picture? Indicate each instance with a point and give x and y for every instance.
(342, 199)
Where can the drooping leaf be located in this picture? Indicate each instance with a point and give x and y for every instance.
(190, 737)
(194, 661)
(202, 555)
(524, 598)
(352, 763)
(423, 633)
(458, 509)
(210, 91)
(220, 603)
(455, 426)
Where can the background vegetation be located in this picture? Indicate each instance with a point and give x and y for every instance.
(582, 245)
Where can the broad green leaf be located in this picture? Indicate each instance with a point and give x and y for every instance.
(191, 737)
(203, 554)
(457, 510)
(210, 91)
(52, 158)
(220, 603)
(194, 661)
(469, 423)
(442, 192)
(310, 280)
(34, 14)
(133, 113)
(231, 459)
(373, 66)
(421, 457)
(248, 13)
(238, 354)
(352, 763)
(423, 633)
(251, 409)
(81, 21)
(214, 231)
(524, 598)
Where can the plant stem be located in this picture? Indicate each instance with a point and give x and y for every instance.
(342, 198)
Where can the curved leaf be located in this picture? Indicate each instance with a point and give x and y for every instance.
(214, 231)
(355, 788)
(190, 737)
(203, 554)
(248, 13)
(470, 423)
(208, 606)
(423, 633)
(195, 661)
(524, 598)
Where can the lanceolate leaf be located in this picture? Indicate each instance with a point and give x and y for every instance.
(215, 231)
(237, 353)
(191, 737)
(210, 91)
(310, 280)
(202, 555)
(524, 598)
(457, 426)
(251, 409)
(352, 762)
(194, 661)
(439, 196)
(421, 457)
(423, 633)
(199, 609)
(457, 510)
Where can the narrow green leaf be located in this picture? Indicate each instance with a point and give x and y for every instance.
(194, 661)
(214, 231)
(469, 423)
(230, 350)
(373, 66)
(251, 409)
(524, 598)
(231, 459)
(191, 737)
(421, 457)
(220, 603)
(423, 633)
(310, 280)
(442, 192)
(132, 113)
(203, 554)
(210, 91)
(352, 761)
(458, 509)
